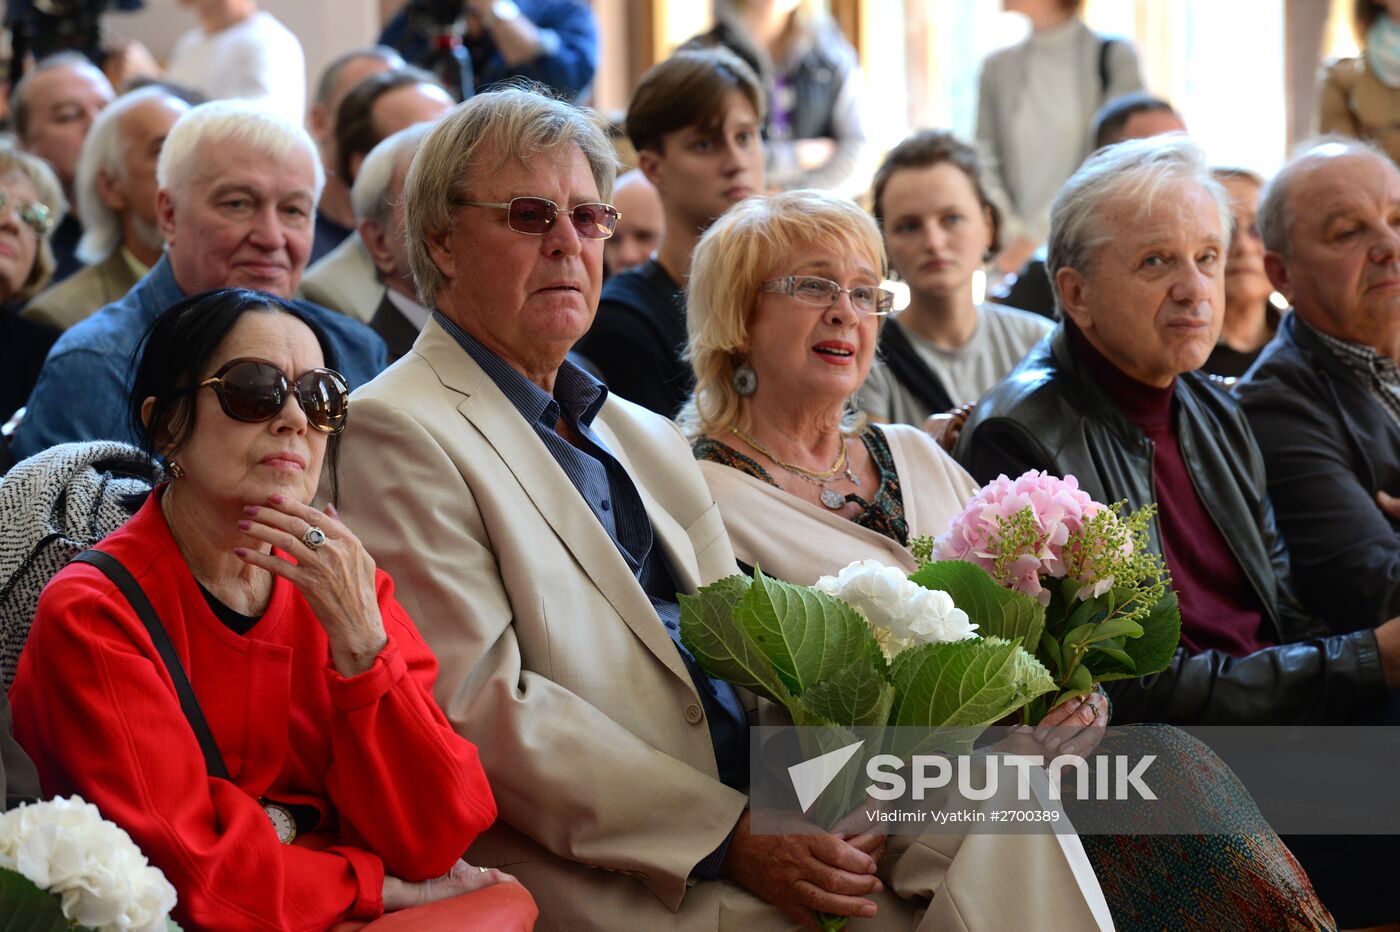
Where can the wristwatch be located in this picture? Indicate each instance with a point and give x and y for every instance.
(502, 11)
(283, 822)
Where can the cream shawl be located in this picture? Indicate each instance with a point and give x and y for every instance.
(797, 541)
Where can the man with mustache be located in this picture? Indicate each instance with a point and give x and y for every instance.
(1138, 242)
(695, 120)
(1324, 398)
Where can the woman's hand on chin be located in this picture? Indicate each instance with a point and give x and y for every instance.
(336, 577)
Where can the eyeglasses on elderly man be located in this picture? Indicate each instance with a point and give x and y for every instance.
(535, 216)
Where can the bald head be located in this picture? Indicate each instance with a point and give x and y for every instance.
(1320, 155)
(638, 232)
(1331, 224)
(54, 106)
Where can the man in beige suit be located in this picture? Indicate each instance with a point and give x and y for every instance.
(538, 529)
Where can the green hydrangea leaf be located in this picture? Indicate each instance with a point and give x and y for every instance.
(965, 683)
(719, 643)
(855, 695)
(1116, 628)
(1150, 653)
(806, 635)
(997, 611)
(1114, 649)
(26, 908)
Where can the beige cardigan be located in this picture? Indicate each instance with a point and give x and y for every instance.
(794, 540)
(1354, 102)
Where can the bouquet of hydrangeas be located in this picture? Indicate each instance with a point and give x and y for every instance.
(867, 647)
(1095, 596)
(1037, 594)
(62, 865)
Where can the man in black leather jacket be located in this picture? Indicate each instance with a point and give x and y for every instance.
(1322, 400)
(1137, 251)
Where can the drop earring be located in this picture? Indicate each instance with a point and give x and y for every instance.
(174, 470)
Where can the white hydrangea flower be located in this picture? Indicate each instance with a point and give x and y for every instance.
(900, 610)
(101, 878)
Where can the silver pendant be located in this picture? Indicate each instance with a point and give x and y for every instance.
(852, 478)
(832, 499)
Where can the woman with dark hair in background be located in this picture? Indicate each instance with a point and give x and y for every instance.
(940, 228)
(302, 774)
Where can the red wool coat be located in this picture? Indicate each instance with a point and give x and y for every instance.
(396, 788)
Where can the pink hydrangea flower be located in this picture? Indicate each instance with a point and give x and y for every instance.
(1060, 510)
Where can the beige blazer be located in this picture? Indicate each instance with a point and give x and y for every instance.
(85, 291)
(345, 280)
(1352, 101)
(552, 659)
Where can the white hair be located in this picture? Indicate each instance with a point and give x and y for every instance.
(104, 150)
(1146, 170)
(368, 195)
(232, 121)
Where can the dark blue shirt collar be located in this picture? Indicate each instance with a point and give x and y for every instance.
(579, 395)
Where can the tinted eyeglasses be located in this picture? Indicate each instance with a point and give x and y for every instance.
(252, 390)
(868, 300)
(536, 215)
(34, 215)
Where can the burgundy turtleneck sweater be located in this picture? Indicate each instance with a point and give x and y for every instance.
(1219, 608)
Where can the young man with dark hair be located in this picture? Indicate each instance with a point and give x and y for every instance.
(694, 121)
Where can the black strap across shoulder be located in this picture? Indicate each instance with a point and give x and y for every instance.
(1105, 45)
(131, 589)
(910, 369)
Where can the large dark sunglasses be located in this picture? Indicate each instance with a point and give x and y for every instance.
(253, 390)
(536, 215)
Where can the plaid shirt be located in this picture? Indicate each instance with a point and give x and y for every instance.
(1377, 371)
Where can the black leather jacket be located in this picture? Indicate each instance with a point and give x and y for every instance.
(1049, 414)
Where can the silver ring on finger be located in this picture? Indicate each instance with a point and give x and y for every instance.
(313, 537)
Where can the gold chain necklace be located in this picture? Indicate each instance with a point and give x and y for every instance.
(829, 497)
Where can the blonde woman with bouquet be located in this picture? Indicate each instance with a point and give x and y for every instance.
(784, 311)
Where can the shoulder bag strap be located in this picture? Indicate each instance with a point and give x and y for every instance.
(1104, 46)
(910, 369)
(119, 575)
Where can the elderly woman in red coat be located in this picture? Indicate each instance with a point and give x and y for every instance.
(335, 789)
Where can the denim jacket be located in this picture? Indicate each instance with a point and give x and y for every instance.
(84, 389)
